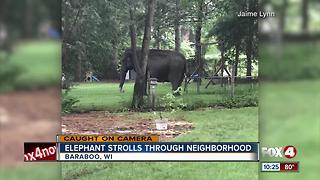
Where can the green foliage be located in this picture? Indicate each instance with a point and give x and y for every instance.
(290, 61)
(187, 50)
(230, 29)
(8, 75)
(233, 32)
(35, 13)
(68, 102)
(96, 32)
(94, 37)
(169, 101)
(247, 100)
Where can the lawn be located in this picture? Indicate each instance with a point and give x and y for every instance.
(106, 96)
(289, 111)
(33, 64)
(32, 171)
(212, 125)
(290, 116)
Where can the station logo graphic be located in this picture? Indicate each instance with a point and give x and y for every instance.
(278, 152)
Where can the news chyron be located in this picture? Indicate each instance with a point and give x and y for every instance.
(281, 159)
(86, 148)
(80, 148)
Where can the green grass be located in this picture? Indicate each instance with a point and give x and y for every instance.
(290, 108)
(212, 125)
(32, 171)
(38, 63)
(106, 96)
(291, 61)
(290, 116)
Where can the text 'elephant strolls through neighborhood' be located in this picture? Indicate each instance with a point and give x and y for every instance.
(165, 65)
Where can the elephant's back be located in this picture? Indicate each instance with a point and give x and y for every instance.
(163, 62)
(166, 55)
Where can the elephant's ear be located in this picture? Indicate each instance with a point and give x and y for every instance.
(127, 53)
(126, 61)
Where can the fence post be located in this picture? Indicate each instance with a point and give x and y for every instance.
(153, 84)
(198, 79)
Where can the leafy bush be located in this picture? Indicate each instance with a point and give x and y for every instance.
(68, 102)
(8, 75)
(239, 101)
(244, 99)
(169, 101)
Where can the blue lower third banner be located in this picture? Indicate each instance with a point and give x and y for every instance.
(161, 151)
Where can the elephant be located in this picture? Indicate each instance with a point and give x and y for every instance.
(165, 65)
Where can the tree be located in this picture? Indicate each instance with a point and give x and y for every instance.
(238, 34)
(100, 27)
(198, 52)
(283, 13)
(196, 13)
(139, 86)
(252, 7)
(305, 15)
(177, 26)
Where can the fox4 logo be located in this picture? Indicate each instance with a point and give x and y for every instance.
(277, 152)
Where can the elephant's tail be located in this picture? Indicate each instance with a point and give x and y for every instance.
(185, 74)
(185, 69)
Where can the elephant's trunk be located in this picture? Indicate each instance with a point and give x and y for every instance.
(122, 78)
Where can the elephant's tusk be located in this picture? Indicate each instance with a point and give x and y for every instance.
(178, 90)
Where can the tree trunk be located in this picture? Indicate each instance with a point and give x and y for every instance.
(249, 54)
(157, 37)
(79, 69)
(283, 14)
(113, 69)
(139, 76)
(249, 39)
(28, 23)
(177, 26)
(133, 38)
(236, 59)
(233, 74)
(222, 63)
(198, 53)
(139, 86)
(305, 16)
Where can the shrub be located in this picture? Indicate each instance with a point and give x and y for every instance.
(8, 75)
(169, 101)
(68, 102)
(239, 101)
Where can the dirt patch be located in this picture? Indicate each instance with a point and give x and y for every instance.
(100, 122)
(27, 116)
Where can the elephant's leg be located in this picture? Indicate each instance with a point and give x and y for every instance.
(145, 86)
(176, 80)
